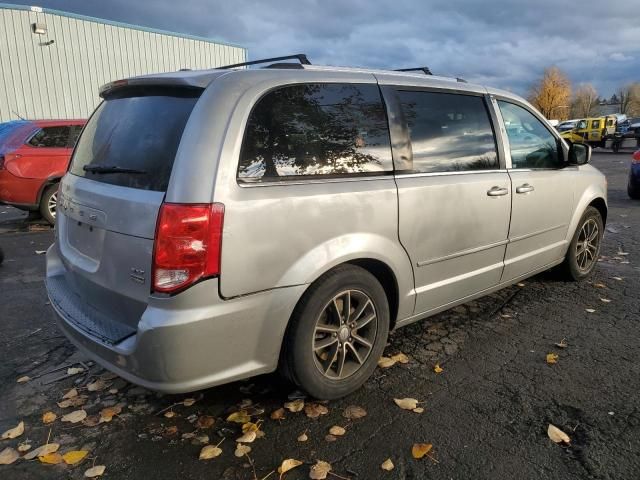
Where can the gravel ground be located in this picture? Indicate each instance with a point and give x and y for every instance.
(486, 414)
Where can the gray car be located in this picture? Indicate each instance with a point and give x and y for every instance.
(220, 224)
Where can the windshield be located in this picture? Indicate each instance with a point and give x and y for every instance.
(132, 140)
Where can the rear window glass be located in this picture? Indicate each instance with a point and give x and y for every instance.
(316, 130)
(138, 133)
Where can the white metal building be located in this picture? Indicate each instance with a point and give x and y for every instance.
(52, 63)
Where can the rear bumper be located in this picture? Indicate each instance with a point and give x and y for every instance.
(19, 192)
(187, 342)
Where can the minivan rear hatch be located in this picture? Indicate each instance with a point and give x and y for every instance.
(109, 204)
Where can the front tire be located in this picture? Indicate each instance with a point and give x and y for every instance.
(337, 333)
(48, 203)
(584, 249)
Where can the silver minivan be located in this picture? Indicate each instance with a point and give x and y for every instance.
(220, 224)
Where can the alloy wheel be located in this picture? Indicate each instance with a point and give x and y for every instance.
(52, 204)
(344, 335)
(588, 245)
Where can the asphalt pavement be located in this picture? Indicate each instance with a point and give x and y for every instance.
(486, 414)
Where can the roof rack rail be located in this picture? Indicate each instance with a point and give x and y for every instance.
(424, 70)
(301, 57)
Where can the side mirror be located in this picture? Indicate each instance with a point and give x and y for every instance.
(579, 154)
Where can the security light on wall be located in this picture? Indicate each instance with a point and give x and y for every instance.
(39, 28)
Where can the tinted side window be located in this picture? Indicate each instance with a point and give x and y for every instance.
(449, 132)
(319, 130)
(51, 137)
(531, 144)
(73, 135)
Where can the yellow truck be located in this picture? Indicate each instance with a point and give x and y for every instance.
(592, 131)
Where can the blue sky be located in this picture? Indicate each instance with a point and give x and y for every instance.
(501, 43)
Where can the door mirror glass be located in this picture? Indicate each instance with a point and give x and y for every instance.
(579, 154)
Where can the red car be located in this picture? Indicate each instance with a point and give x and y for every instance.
(34, 155)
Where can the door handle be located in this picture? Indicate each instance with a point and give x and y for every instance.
(526, 188)
(497, 191)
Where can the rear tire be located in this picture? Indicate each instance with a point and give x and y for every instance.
(337, 333)
(584, 249)
(634, 194)
(48, 203)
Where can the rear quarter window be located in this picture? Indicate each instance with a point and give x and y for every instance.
(316, 131)
(139, 131)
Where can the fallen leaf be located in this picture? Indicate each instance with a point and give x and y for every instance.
(169, 414)
(303, 437)
(51, 458)
(386, 362)
(23, 447)
(187, 402)
(400, 358)
(320, 470)
(294, 406)
(73, 401)
(242, 450)
(605, 300)
(170, 431)
(314, 410)
(353, 412)
(97, 385)
(599, 285)
(505, 315)
(95, 471)
(387, 465)
(406, 403)
(277, 414)
(563, 343)
(619, 279)
(419, 450)
(201, 440)
(418, 410)
(74, 370)
(210, 451)
(239, 417)
(107, 414)
(23, 379)
(92, 420)
(330, 438)
(556, 435)
(49, 417)
(337, 430)
(437, 368)
(205, 421)
(74, 456)
(8, 456)
(42, 450)
(288, 464)
(75, 416)
(250, 427)
(589, 310)
(520, 284)
(70, 394)
(552, 358)
(14, 432)
(247, 437)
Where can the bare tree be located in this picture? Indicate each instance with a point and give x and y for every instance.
(629, 97)
(551, 94)
(585, 102)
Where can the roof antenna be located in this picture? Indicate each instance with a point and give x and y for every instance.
(18, 115)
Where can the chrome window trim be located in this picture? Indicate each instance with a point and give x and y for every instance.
(440, 174)
(277, 183)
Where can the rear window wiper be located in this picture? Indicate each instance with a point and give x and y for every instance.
(111, 169)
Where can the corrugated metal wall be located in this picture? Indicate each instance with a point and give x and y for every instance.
(61, 80)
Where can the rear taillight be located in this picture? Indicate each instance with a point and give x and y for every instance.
(187, 245)
(636, 157)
